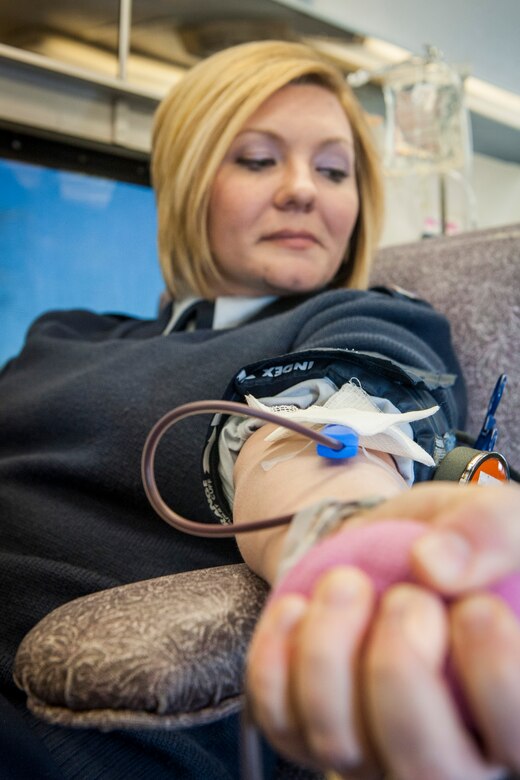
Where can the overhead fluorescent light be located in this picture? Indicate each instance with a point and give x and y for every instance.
(141, 71)
(497, 104)
(386, 52)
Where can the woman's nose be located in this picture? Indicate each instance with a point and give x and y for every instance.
(297, 189)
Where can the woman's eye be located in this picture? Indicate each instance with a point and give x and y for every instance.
(255, 163)
(336, 175)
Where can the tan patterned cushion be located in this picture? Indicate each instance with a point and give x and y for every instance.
(162, 653)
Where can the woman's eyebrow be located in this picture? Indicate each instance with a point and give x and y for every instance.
(258, 131)
(340, 139)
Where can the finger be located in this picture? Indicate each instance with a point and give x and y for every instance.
(267, 675)
(475, 542)
(323, 681)
(486, 649)
(414, 721)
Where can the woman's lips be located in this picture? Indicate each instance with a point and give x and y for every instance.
(292, 239)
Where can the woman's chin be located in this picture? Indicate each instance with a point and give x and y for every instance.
(280, 284)
(297, 285)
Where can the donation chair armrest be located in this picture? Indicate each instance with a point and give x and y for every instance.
(161, 653)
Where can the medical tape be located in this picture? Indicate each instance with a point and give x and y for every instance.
(379, 424)
(353, 408)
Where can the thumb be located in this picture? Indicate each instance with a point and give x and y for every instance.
(472, 543)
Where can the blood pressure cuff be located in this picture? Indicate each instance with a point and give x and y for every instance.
(409, 389)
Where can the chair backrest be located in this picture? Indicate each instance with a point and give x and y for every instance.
(474, 279)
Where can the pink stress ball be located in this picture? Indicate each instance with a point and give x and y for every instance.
(381, 550)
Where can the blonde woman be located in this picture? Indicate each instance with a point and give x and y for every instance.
(269, 206)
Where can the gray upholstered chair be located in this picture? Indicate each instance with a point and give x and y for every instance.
(169, 652)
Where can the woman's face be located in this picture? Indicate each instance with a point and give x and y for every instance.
(285, 201)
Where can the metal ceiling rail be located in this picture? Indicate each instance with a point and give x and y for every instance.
(125, 23)
(29, 60)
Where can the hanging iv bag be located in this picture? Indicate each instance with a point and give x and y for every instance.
(427, 124)
(427, 130)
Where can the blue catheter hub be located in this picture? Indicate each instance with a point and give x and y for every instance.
(348, 438)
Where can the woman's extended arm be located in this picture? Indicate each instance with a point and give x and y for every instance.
(295, 483)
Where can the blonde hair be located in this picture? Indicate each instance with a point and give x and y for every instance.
(194, 127)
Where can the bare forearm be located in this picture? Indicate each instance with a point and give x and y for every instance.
(293, 484)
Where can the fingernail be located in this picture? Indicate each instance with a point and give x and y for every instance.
(487, 615)
(445, 555)
(340, 587)
(420, 618)
(476, 614)
(287, 612)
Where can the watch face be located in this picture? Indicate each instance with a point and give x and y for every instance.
(487, 468)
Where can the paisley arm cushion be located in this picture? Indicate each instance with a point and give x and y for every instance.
(162, 653)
